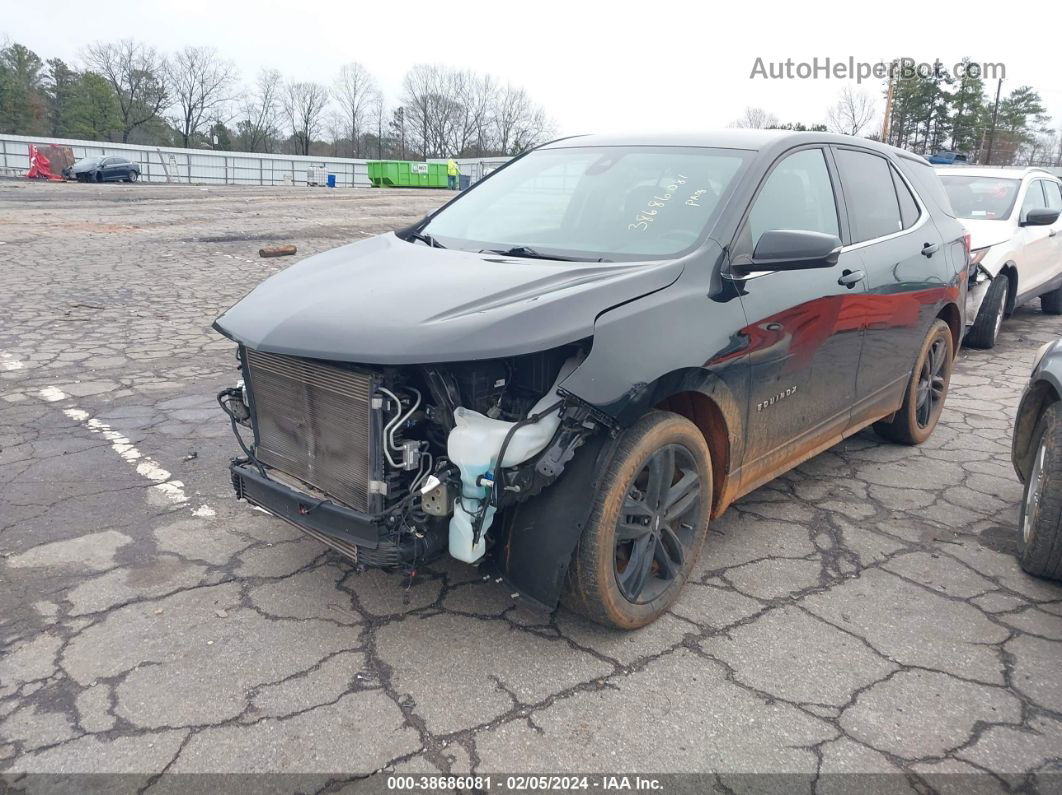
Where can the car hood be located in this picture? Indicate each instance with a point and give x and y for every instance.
(387, 301)
(987, 233)
(81, 166)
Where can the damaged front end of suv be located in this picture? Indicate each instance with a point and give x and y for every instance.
(394, 465)
(400, 412)
(463, 386)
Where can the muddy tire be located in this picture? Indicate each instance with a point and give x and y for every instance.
(1040, 519)
(647, 526)
(1051, 303)
(985, 329)
(926, 392)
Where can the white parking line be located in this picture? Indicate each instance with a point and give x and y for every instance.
(9, 363)
(121, 444)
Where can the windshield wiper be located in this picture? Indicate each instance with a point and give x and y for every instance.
(529, 253)
(425, 238)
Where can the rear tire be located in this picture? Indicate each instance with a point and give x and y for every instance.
(926, 392)
(1051, 303)
(985, 329)
(652, 509)
(133, 176)
(1040, 519)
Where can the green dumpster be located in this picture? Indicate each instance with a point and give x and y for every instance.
(406, 174)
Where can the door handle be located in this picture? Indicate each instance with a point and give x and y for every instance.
(1052, 233)
(929, 249)
(850, 278)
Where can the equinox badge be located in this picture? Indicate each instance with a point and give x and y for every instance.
(775, 398)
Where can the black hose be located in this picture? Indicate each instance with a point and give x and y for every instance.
(499, 473)
(231, 394)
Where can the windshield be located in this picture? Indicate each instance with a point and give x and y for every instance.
(981, 198)
(596, 203)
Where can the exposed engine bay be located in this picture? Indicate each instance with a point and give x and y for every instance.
(393, 466)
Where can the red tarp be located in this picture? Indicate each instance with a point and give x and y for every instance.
(40, 166)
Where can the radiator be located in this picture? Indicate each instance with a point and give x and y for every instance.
(315, 422)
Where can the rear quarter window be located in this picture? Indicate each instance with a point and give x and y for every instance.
(908, 206)
(928, 185)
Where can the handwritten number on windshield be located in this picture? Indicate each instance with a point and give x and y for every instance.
(647, 215)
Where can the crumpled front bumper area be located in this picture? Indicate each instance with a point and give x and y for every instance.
(361, 537)
(979, 283)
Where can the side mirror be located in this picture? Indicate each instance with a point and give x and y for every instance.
(1041, 216)
(794, 250)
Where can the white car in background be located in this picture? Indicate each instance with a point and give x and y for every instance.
(1012, 216)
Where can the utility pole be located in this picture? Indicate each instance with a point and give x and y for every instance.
(379, 132)
(888, 112)
(401, 113)
(995, 115)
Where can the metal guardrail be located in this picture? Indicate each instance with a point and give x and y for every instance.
(213, 167)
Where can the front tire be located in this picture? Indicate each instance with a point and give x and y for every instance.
(647, 526)
(926, 391)
(1040, 519)
(985, 330)
(99, 176)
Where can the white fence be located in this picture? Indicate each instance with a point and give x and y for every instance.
(212, 167)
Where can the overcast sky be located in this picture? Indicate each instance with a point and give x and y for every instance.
(595, 67)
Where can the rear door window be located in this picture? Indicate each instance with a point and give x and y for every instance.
(869, 194)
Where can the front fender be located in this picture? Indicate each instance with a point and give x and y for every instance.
(684, 338)
(1043, 389)
(536, 539)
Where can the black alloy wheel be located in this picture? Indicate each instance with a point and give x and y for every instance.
(927, 389)
(651, 505)
(657, 526)
(931, 383)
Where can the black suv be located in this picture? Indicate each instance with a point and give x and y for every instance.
(564, 372)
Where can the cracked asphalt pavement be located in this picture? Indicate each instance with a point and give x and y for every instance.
(863, 613)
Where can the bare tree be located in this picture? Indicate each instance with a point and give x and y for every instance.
(260, 113)
(851, 114)
(137, 73)
(518, 124)
(202, 83)
(335, 124)
(1040, 148)
(355, 89)
(755, 118)
(304, 104)
(473, 96)
(452, 112)
(427, 109)
(376, 122)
